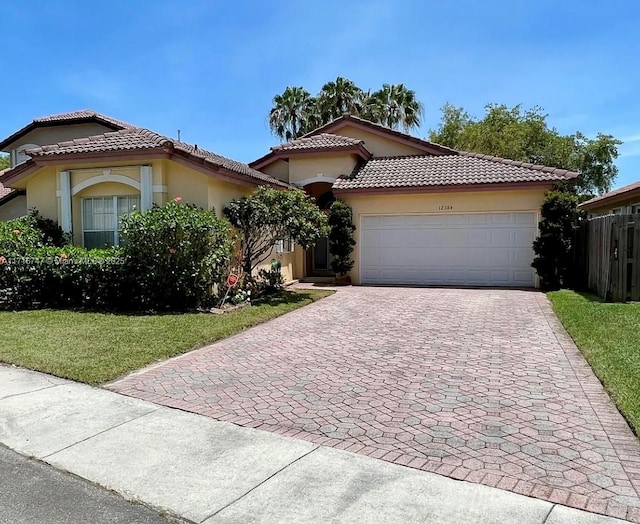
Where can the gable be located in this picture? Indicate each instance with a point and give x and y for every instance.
(53, 134)
(377, 144)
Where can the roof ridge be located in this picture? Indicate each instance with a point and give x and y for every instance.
(519, 163)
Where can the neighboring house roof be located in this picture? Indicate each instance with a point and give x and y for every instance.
(321, 143)
(462, 169)
(140, 141)
(83, 116)
(612, 197)
(6, 193)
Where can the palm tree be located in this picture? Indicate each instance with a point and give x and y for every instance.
(337, 98)
(394, 106)
(292, 113)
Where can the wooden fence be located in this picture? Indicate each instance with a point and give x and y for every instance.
(607, 256)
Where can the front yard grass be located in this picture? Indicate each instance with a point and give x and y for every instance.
(99, 347)
(609, 337)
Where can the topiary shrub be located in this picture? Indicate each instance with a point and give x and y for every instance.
(176, 253)
(553, 248)
(341, 237)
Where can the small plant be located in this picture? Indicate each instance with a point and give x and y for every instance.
(341, 237)
(270, 282)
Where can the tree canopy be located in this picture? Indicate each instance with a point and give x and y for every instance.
(269, 215)
(524, 134)
(5, 162)
(295, 112)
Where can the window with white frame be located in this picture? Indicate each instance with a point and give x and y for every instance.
(635, 209)
(101, 219)
(284, 245)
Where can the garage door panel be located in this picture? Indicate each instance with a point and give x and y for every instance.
(454, 249)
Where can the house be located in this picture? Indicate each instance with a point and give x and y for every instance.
(622, 201)
(425, 214)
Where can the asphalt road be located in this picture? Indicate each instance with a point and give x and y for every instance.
(32, 492)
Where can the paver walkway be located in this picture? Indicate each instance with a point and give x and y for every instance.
(478, 385)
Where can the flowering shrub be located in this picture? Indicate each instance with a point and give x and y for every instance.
(172, 257)
(177, 253)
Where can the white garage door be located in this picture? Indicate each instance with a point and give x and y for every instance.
(479, 249)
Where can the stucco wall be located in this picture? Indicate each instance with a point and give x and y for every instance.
(436, 203)
(41, 193)
(378, 145)
(305, 167)
(14, 208)
(278, 169)
(607, 207)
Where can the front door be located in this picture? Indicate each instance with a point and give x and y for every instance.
(319, 259)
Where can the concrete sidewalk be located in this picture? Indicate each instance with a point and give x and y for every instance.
(210, 472)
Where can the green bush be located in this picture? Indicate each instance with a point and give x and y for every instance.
(553, 248)
(18, 237)
(67, 277)
(176, 253)
(341, 237)
(172, 257)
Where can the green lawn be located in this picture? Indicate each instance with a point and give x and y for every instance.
(99, 347)
(609, 337)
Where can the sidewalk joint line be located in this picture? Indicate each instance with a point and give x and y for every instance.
(260, 484)
(549, 514)
(32, 391)
(100, 433)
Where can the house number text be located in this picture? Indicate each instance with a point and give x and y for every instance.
(445, 207)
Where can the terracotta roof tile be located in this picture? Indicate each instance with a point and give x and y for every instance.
(4, 191)
(321, 141)
(83, 114)
(137, 139)
(602, 199)
(445, 170)
(125, 139)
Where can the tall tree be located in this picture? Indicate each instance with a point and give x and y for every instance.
(394, 106)
(5, 162)
(292, 113)
(337, 98)
(295, 112)
(525, 135)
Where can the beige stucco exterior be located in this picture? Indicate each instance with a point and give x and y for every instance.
(379, 145)
(436, 203)
(305, 169)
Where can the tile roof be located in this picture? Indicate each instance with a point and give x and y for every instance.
(612, 195)
(446, 170)
(73, 117)
(138, 139)
(83, 114)
(346, 119)
(4, 191)
(321, 141)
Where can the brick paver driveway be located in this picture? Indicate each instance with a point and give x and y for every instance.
(480, 385)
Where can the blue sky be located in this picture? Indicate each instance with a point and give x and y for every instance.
(211, 68)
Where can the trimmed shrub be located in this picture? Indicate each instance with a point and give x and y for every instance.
(176, 254)
(67, 277)
(553, 248)
(341, 237)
